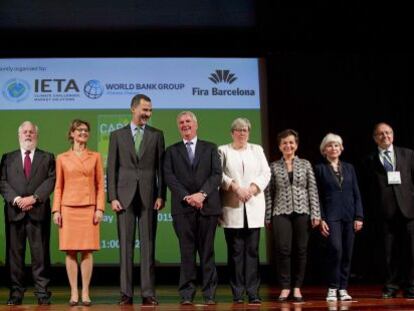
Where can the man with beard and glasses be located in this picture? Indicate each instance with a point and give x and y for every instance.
(26, 182)
(136, 192)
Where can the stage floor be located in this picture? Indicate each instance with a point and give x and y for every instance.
(105, 298)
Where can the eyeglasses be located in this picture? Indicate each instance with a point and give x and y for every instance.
(80, 130)
(241, 130)
(385, 133)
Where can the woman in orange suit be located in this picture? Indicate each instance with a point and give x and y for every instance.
(78, 207)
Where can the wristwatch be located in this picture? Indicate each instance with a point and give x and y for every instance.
(36, 197)
(204, 194)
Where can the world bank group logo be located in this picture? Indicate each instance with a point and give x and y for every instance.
(221, 75)
(93, 89)
(16, 90)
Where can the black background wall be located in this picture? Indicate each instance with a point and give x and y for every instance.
(338, 67)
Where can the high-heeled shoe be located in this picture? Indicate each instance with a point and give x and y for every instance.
(86, 303)
(283, 298)
(73, 303)
(298, 299)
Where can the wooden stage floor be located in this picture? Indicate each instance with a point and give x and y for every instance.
(105, 298)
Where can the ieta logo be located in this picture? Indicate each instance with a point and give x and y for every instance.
(222, 75)
(16, 90)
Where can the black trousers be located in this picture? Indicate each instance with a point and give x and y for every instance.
(340, 244)
(291, 235)
(243, 260)
(196, 233)
(399, 252)
(38, 235)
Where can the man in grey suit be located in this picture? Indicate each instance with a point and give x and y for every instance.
(391, 172)
(26, 182)
(192, 170)
(136, 190)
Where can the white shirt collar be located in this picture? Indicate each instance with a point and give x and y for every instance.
(23, 151)
(194, 141)
(390, 149)
(134, 126)
(31, 154)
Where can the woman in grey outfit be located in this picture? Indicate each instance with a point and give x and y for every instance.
(292, 207)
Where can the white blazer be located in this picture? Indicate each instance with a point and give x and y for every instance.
(245, 167)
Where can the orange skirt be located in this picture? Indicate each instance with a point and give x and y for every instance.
(78, 232)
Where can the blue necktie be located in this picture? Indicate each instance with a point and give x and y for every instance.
(387, 161)
(190, 151)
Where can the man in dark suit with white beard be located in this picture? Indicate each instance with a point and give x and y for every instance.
(26, 182)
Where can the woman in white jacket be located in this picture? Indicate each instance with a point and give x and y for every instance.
(246, 174)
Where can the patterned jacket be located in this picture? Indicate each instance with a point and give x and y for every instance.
(301, 196)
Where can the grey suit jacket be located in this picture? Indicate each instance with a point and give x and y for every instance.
(126, 170)
(14, 183)
(301, 196)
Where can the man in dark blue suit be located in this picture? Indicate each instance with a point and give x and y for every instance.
(27, 180)
(193, 173)
(391, 172)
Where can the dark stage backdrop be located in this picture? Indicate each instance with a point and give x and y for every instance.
(347, 93)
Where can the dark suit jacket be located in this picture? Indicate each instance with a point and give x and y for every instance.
(390, 198)
(338, 202)
(184, 179)
(14, 183)
(125, 169)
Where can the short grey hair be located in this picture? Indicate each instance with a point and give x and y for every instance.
(331, 138)
(240, 123)
(190, 113)
(25, 123)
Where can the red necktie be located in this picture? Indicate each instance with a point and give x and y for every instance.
(27, 164)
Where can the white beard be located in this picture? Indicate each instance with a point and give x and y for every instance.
(28, 145)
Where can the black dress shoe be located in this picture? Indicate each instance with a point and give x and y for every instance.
(389, 293)
(283, 299)
(125, 300)
(298, 299)
(43, 301)
(255, 300)
(149, 301)
(409, 294)
(238, 300)
(186, 302)
(14, 301)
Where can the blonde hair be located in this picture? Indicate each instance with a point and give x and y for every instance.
(330, 138)
(240, 123)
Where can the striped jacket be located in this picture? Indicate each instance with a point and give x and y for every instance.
(301, 196)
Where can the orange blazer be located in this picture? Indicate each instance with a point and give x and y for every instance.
(79, 180)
